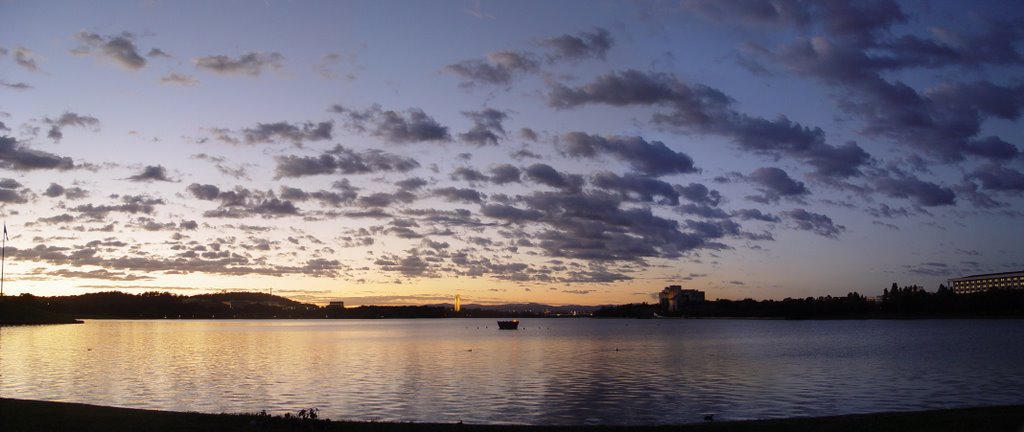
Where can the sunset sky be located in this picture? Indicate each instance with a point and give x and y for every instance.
(590, 152)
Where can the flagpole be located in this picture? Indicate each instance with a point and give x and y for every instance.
(3, 259)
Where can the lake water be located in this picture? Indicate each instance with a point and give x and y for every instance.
(551, 371)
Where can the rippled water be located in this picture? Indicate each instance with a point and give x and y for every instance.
(552, 371)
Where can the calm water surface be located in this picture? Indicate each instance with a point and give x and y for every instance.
(552, 371)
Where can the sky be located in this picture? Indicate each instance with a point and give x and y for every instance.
(561, 152)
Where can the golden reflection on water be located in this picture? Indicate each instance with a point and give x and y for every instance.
(551, 371)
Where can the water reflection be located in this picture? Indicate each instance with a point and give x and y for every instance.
(551, 372)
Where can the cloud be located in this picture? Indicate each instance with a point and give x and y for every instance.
(131, 204)
(149, 224)
(713, 229)
(251, 63)
(26, 59)
(384, 199)
(815, 222)
(944, 122)
(175, 78)
(58, 219)
(593, 44)
(459, 195)
(345, 194)
(509, 213)
(206, 192)
(972, 192)
(239, 172)
(54, 190)
(637, 188)
(785, 12)
(998, 178)
(652, 158)
(699, 194)
(345, 161)
(220, 262)
(922, 192)
(56, 132)
(856, 23)
(327, 66)
(863, 52)
(500, 68)
(15, 156)
(886, 211)
(158, 53)
(16, 86)
(546, 175)
(593, 226)
(932, 269)
(223, 135)
(119, 48)
(707, 110)
(775, 183)
(755, 214)
(411, 265)
(487, 127)
(633, 87)
(242, 203)
(505, 173)
(10, 193)
(295, 133)
(411, 184)
(468, 174)
(151, 173)
(703, 210)
(410, 127)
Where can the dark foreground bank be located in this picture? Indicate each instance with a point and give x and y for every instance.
(24, 415)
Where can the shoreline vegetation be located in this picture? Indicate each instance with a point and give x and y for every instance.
(18, 313)
(896, 303)
(18, 415)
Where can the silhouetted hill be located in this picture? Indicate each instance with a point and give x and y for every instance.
(254, 297)
(116, 304)
(27, 311)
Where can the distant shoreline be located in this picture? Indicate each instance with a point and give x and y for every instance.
(15, 314)
(908, 303)
(18, 415)
(83, 319)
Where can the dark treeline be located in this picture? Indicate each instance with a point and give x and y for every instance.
(895, 302)
(240, 305)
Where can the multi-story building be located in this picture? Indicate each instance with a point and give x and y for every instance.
(985, 282)
(673, 296)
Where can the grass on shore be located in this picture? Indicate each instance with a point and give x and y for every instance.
(24, 415)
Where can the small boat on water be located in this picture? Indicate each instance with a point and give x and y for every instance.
(508, 325)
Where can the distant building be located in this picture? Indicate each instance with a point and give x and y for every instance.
(674, 296)
(336, 305)
(985, 282)
(458, 303)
